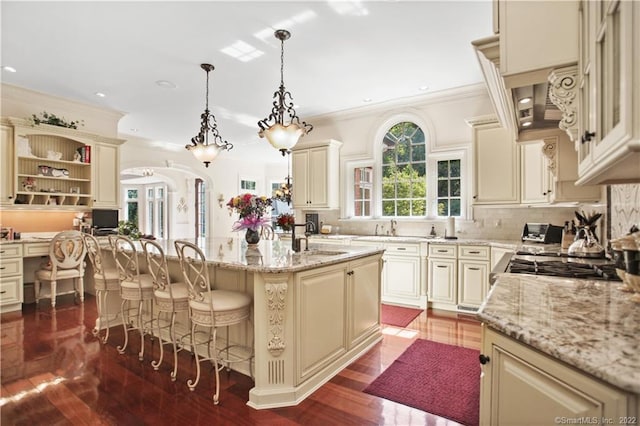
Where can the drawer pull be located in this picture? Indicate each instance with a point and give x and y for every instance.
(443, 251)
(474, 252)
(2, 268)
(2, 251)
(441, 266)
(401, 248)
(3, 291)
(474, 269)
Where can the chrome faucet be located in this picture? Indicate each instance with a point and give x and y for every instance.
(394, 223)
(376, 233)
(309, 227)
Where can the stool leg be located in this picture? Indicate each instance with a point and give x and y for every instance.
(141, 330)
(193, 383)
(36, 289)
(105, 298)
(216, 396)
(54, 284)
(156, 364)
(125, 320)
(96, 330)
(172, 336)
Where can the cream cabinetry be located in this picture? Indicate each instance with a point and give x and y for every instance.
(442, 282)
(106, 176)
(521, 385)
(403, 273)
(609, 92)
(473, 275)
(496, 164)
(11, 291)
(498, 252)
(347, 298)
(316, 175)
(61, 167)
(6, 165)
(535, 179)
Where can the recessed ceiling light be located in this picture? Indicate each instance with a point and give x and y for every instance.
(134, 130)
(424, 88)
(526, 123)
(8, 68)
(367, 100)
(100, 94)
(525, 100)
(166, 84)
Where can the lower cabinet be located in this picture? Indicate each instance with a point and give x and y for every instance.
(442, 282)
(11, 288)
(520, 385)
(473, 283)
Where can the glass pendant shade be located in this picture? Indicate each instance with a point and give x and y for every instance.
(283, 137)
(204, 153)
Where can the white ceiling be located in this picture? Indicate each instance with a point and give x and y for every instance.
(340, 53)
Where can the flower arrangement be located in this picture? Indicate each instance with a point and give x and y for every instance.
(252, 210)
(286, 221)
(54, 120)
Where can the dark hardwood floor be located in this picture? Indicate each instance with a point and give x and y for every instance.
(55, 372)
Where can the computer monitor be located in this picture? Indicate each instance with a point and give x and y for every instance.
(104, 219)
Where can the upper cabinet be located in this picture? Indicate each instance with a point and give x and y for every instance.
(316, 175)
(608, 86)
(56, 166)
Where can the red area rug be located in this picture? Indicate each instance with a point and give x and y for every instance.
(440, 379)
(398, 316)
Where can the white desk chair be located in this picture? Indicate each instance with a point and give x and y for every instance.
(106, 278)
(210, 309)
(171, 299)
(135, 289)
(66, 261)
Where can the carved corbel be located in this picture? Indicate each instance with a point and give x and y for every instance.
(563, 93)
(549, 149)
(276, 295)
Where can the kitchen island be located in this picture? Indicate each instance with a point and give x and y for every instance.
(314, 312)
(558, 349)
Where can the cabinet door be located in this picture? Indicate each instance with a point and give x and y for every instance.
(520, 384)
(535, 174)
(496, 166)
(473, 282)
(442, 281)
(106, 179)
(318, 179)
(364, 296)
(401, 282)
(300, 170)
(6, 166)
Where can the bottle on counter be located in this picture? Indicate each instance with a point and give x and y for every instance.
(567, 235)
(433, 231)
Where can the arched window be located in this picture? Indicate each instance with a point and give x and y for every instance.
(404, 171)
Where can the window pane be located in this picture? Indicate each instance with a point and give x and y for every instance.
(420, 169)
(419, 190)
(443, 169)
(455, 207)
(132, 212)
(417, 153)
(389, 156)
(388, 190)
(404, 189)
(403, 151)
(419, 208)
(443, 207)
(160, 192)
(443, 188)
(455, 187)
(454, 167)
(150, 193)
(404, 208)
(388, 208)
(132, 193)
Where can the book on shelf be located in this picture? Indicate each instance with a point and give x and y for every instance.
(84, 153)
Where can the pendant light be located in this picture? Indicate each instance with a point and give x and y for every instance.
(281, 135)
(208, 143)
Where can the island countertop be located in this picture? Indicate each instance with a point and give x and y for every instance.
(271, 256)
(588, 324)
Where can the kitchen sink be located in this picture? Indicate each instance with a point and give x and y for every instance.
(387, 238)
(315, 253)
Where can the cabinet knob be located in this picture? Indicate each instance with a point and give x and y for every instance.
(475, 196)
(350, 273)
(587, 136)
(484, 359)
(11, 197)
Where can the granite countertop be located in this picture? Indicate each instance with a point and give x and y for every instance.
(274, 256)
(588, 324)
(419, 239)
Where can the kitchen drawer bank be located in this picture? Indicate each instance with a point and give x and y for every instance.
(559, 348)
(426, 272)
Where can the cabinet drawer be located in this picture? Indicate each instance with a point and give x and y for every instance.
(400, 249)
(442, 250)
(10, 267)
(10, 290)
(36, 249)
(474, 252)
(10, 250)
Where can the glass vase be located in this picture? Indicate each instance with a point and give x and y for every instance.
(252, 237)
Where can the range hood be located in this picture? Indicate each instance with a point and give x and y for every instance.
(522, 101)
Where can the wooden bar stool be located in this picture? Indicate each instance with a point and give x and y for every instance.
(106, 278)
(210, 309)
(171, 299)
(135, 289)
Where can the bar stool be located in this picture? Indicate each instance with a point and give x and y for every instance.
(171, 299)
(135, 288)
(210, 309)
(106, 278)
(66, 261)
